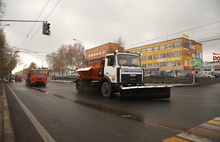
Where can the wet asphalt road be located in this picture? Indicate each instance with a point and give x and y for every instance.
(68, 116)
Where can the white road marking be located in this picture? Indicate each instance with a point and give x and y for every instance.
(193, 137)
(44, 134)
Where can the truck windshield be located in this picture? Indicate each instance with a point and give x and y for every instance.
(128, 60)
(39, 72)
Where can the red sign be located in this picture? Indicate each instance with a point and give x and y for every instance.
(216, 66)
(216, 58)
(193, 71)
(186, 67)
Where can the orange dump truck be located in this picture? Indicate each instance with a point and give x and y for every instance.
(37, 77)
(118, 73)
(18, 78)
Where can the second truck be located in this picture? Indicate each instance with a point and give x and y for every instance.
(37, 77)
(118, 73)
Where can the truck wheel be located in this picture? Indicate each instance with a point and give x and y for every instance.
(106, 90)
(79, 87)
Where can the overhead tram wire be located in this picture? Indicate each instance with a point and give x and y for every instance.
(176, 33)
(209, 39)
(53, 8)
(44, 6)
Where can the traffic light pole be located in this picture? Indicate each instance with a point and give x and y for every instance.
(22, 21)
(46, 26)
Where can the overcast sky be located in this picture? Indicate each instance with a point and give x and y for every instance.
(96, 22)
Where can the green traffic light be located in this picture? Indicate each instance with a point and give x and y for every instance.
(47, 31)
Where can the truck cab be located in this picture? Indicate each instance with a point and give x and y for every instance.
(123, 69)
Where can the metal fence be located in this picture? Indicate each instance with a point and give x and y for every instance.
(198, 80)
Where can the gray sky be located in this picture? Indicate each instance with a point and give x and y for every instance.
(96, 22)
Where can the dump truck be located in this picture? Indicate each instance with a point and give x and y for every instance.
(119, 73)
(37, 77)
(18, 78)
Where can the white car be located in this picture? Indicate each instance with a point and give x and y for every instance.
(206, 74)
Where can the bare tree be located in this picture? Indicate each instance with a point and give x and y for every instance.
(121, 44)
(2, 8)
(50, 59)
(79, 56)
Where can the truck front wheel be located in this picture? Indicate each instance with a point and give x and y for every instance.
(79, 87)
(106, 90)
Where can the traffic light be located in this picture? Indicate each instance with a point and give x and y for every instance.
(46, 28)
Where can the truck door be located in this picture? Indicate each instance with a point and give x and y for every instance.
(110, 69)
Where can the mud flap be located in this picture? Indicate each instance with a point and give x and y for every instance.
(146, 91)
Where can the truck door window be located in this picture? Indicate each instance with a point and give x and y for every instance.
(111, 60)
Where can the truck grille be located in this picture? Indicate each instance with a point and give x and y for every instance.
(131, 78)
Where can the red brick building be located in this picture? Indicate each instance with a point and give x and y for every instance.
(96, 54)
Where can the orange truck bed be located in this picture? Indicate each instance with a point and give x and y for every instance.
(90, 72)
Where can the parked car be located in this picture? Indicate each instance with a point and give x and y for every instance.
(206, 74)
(217, 75)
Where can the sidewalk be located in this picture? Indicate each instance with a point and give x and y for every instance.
(6, 128)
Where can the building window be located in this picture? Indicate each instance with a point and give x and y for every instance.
(169, 54)
(149, 65)
(162, 64)
(143, 58)
(176, 54)
(177, 63)
(149, 49)
(169, 64)
(162, 47)
(138, 51)
(162, 56)
(169, 46)
(156, 65)
(176, 44)
(149, 57)
(155, 56)
(155, 48)
(143, 50)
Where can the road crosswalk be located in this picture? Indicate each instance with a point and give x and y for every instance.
(206, 132)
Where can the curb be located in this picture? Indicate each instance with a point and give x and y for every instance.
(8, 131)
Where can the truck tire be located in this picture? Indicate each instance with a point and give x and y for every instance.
(106, 90)
(79, 87)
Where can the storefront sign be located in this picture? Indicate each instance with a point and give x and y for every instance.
(151, 69)
(173, 59)
(216, 66)
(216, 57)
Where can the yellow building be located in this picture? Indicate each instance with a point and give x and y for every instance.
(171, 55)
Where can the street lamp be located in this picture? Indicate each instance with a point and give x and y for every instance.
(83, 57)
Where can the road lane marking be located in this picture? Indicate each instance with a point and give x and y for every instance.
(44, 134)
(175, 139)
(214, 122)
(217, 118)
(206, 132)
(210, 127)
(192, 137)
